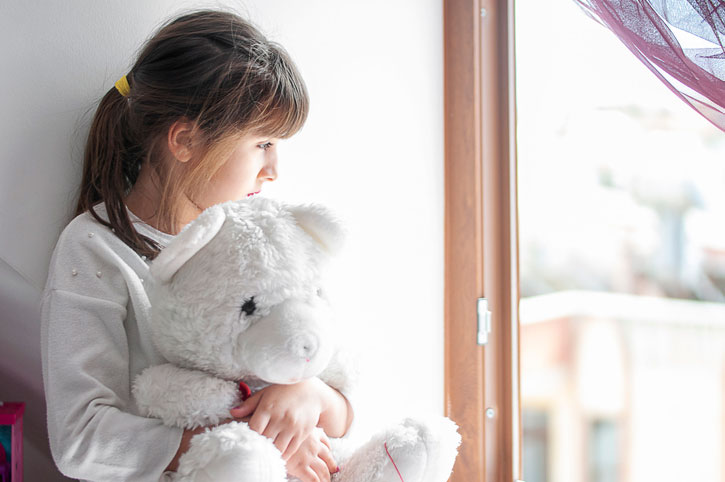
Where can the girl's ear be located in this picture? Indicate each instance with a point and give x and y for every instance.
(187, 243)
(180, 139)
(319, 222)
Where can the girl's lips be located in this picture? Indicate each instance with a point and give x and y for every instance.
(252, 193)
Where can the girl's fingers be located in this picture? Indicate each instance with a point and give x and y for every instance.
(326, 456)
(283, 441)
(321, 471)
(259, 422)
(294, 445)
(271, 432)
(325, 440)
(309, 475)
(277, 430)
(247, 407)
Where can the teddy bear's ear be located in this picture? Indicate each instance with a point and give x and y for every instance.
(187, 243)
(324, 227)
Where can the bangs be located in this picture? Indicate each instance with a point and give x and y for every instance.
(284, 104)
(263, 95)
(282, 120)
(281, 116)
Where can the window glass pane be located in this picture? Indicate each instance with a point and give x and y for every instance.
(603, 447)
(535, 443)
(622, 259)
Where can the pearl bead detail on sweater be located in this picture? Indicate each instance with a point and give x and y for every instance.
(99, 274)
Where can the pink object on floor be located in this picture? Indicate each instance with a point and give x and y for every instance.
(4, 466)
(11, 413)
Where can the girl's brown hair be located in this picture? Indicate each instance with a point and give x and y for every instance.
(210, 67)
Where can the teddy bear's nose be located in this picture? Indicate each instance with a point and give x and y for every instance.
(304, 346)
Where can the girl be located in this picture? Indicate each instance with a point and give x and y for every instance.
(194, 123)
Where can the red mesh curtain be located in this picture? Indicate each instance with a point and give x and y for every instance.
(649, 28)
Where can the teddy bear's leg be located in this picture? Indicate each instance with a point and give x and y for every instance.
(231, 453)
(412, 451)
(441, 440)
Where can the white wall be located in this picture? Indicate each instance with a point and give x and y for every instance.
(372, 149)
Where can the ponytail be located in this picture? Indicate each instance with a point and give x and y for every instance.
(111, 165)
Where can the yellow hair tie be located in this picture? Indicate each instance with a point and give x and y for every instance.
(122, 86)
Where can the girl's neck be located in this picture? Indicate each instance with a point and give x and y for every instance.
(145, 197)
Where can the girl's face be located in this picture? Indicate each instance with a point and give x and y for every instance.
(252, 162)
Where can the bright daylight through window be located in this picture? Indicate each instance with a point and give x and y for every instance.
(622, 251)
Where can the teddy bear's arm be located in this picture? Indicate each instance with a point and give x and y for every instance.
(184, 398)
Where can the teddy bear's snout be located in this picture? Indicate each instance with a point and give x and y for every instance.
(294, 341)
(304, 346)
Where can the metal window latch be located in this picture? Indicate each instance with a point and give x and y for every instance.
(484, 321)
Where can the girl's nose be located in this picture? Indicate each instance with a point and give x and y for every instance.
(269, 171)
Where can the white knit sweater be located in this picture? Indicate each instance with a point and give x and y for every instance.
(95, 340)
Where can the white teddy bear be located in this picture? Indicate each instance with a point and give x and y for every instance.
(236, 297)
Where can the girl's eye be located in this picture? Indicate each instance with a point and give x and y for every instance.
(265, 146)
(248, 307)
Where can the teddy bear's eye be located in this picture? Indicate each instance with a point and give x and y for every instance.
(249, 306)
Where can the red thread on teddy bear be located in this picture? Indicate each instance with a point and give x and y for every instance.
(393, 461)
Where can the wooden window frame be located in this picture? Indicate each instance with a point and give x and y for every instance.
(481, 240)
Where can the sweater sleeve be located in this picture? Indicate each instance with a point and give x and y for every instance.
(85, 363)
(93, 430)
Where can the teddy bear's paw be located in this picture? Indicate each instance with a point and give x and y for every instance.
(414, 450)
(407, 459)
(231, 453)
(441, 438)
(394, 455)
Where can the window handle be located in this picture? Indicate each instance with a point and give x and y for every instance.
(484, 321)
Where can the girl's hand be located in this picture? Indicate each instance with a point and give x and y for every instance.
(286, 414)
(313, 462)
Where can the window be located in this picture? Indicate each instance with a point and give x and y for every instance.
(621, 248)
(604, 451)
(536, 444)
(619, 330)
